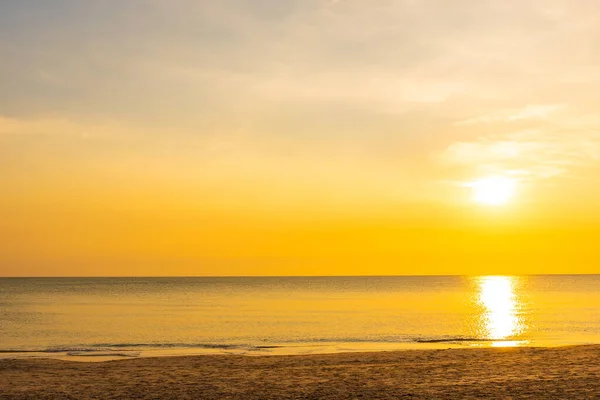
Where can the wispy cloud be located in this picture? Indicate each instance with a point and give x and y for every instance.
(530, 112)
(387, 82)
(128, 60)
(49, 126)
(530, 154)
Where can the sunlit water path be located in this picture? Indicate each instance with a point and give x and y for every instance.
(145, 316)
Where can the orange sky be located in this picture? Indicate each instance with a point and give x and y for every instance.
(291, 137)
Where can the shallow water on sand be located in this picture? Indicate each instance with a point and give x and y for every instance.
(128, 317)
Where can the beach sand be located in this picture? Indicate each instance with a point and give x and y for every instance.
(502, 373)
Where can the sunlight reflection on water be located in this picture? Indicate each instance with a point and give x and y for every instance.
(500, 303)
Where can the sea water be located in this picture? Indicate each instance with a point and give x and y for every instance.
(129, 317)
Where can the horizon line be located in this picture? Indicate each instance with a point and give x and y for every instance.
(289, 276)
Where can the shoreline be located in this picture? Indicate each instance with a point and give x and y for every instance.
(108, 353)
(518, 372)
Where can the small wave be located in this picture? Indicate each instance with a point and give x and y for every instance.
(170, 345)
(103, 354)
(113, 348)
(399, 340)
(50, 350)
(98, 349)
(459, 339)
(389, 339)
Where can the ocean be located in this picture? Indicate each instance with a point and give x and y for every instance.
(100, 318)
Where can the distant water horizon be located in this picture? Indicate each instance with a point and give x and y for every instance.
(278, 276)
(100, 317)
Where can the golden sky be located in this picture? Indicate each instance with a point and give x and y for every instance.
(299, 137)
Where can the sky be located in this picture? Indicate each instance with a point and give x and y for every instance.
(299, 137)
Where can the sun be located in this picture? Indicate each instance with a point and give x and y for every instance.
(494, 191)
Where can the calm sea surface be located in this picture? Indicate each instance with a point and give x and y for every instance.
(118, 317)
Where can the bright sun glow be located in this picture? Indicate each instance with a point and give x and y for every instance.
(493, 191)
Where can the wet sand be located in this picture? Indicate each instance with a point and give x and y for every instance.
(524, 373)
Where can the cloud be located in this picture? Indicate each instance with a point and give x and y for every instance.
(45, 126)
(530, 154)
(49, 127)
(389, 80)
(530, 112)
(153, 59)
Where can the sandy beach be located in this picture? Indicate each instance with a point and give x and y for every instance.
(529, 373)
